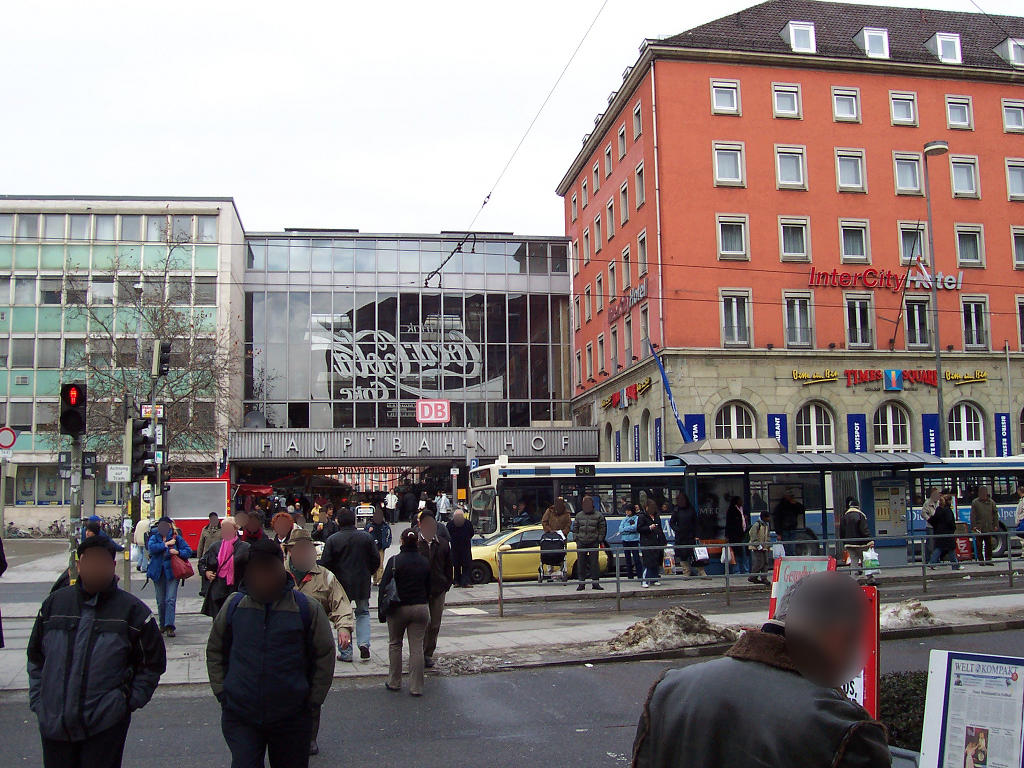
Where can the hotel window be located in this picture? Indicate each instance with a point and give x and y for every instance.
(854, 242)
(814, 431)
(1015, 178)
(970, 245)
(959, 114)
(729, 165)
(735, 318)
(638, 123)
(1017, 236)
(966, 433)
(892, 429)
(850, 176)
(790, 171)
(586, 246)
(598, 244)
(627, 276)
(912, 240)
(640, 192)
(798, 319)
(917, 324)
(575, 257)
(610, 216)
(576, 311)
(946, 46)
(732, 237)
(579, 369)
(725, 97)
(622, 141)
(608, 161)
(627, 340)
(590, 361)
(846, 105)
(1013, 116)
(612, 286)
(583, 193)
(599, 291)
(574, 214)
(965, 176)
(600, 354)
(903, 107)
(786, 100)
(858, 321)
(800, 36)
(875, 42)
(907, 167)
(587, 304)
(975, 324)
(794, 239)
(597, 177)
(624, 203)
(645, 330)
(613, 348)
(641, 253)
(734, 421)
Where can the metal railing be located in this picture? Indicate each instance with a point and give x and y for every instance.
(911, 543)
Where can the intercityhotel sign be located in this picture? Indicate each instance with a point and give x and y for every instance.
(916, 279)
(409, 445)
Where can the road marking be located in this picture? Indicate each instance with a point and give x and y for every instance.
(467, 611)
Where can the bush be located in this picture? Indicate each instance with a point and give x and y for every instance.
(901, 707)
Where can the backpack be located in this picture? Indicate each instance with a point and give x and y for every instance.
(305, 612)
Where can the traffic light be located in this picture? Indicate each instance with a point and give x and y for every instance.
(138, 446)
(161, 358)
(72, 409)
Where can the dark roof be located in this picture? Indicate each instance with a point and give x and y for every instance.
(757, 29)
(799, 462)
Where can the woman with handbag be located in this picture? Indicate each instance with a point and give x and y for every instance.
(168, 563)
(222, 567)
(652, 543)
(402, 602)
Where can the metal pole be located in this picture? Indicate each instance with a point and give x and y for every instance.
(75, 521)
(501, 597)
(936, 340)
(3, 496)
(618, 584)
(728, 589)
(924, 564)
(1009, 555)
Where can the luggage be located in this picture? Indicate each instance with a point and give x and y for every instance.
(552, 549)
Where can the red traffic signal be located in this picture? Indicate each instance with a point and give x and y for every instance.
(74, 394)
(73, 400)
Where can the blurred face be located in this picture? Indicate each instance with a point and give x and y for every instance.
(378, 516)
(264, 578)
(228, 531)
(428, 527)
(983, 493)
(303, 554)
(95, 570)
(934, 495)
(213, 520)
(283, 526)
(830, 657)
(241, 518)
(164, 529)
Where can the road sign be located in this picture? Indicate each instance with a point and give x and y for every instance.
(147, 496)
(6, 453)
(64, 465)
(89, 464)
(433, 411)
(474, 463)
(147, 411)
(119, 473)
(454, 471)
(7, 438)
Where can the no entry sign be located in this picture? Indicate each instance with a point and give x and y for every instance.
(7, 438)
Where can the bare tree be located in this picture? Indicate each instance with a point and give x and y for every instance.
(159, 302)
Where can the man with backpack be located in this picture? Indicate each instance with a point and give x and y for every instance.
(856, 536)
(269, 687)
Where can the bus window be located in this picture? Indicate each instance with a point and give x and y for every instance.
(481, 511)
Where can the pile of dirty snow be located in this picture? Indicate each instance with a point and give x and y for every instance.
(909, 613)
(674, 627)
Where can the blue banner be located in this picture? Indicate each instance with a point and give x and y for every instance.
(636, 442)
(693, 427)
(778, 427)
(659, 454)
(857, 432)
(1004, 439)
(930, 432)
(618, 445)
(668, 392)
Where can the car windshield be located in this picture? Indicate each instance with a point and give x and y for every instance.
(496, 536)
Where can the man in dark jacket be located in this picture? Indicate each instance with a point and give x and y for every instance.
(706, 714)
(856, 536)
(683, 523)
(270, 658)
(590, 529)
(786, 518)
(436, 547)
(95, 656)
(410, 505)
(352, 557)
(460, 532)
(328, 525)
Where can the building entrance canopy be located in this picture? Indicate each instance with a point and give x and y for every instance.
(408, 446)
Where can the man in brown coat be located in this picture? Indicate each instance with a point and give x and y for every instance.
(984, 519)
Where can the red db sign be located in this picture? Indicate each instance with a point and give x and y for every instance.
(433, 411)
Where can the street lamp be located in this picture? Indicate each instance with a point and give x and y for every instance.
(935, 149)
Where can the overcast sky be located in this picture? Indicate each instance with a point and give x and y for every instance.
(382, 116)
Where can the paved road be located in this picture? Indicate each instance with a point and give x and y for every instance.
(566, 716)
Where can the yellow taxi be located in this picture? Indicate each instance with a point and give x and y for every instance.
(520, 556)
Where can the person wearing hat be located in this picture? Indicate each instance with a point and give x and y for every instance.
(164, 544)
(270, 659)
(95, 655)
(319, 584)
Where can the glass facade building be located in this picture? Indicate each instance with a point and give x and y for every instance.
(347, 330)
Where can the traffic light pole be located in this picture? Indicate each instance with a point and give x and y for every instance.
(75, 523)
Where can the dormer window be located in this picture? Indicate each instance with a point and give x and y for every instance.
(946, 47)
(1011, 50)
(800, 36)
(874, 41)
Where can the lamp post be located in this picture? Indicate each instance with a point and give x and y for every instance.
(935, 149)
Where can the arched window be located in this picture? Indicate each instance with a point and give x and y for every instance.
(646, 437)
(892, 429)
(609, 446)
(734, 421)
(625, 451)
(966, 433)
(814, 430)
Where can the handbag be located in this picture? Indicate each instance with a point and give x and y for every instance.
(387, 598)
(701, 556)
(181, 568)
(728, 558)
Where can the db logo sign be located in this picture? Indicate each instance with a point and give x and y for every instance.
(433, 411)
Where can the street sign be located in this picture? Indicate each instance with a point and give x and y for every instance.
(159, 435)
(119, 473)
(454, 471)
(433, 411)
(474, 463)
(147, 496)
(7, 438)
(89, 464)
(64, 465)
(6, 453)
(159, 457)
(147, 411)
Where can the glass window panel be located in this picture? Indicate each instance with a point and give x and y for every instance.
(298, 254)
(48, 353)
(969, 246)
(320, 256)
(907, 174)
(277, 256)
(793, 239)
(28, 226)
(732, 237)
(24, 290)
(538, 258)
(23, 353)
(408, 255)
(6, 226)
(131, 228)
(559, 258)
(206, 229)
(728, 163)
(850, 172)
(74, 353)
(105, 227)
(80, 226)
(181, 229)
(179, 289)
(785, 101)
(963, 177)
(791, 169)
(156, 229)
(53, 226)
(517, 261)
(365, 256)
(903, 110)
(206, 291)
(50, 290)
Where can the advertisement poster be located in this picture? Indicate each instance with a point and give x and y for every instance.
(778, 427)
(974, 711)
(658, 451)
(864, 687)
(789, 570)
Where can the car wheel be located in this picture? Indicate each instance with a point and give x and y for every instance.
(999, 542)
(479, 572)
